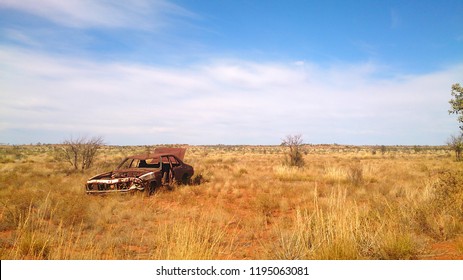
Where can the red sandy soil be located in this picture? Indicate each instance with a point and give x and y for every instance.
(447, 250)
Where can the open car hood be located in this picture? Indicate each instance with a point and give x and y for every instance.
(178, 152)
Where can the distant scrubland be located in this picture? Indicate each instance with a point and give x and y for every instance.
(346, 202)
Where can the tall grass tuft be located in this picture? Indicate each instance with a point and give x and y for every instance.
(198, 239)
(324, 233)
(290, 173)
(342, 230)
(355, 174)
(440, 215)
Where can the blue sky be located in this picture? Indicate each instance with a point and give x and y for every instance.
(229, 72)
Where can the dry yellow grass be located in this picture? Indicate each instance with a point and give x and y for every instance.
(345, 203)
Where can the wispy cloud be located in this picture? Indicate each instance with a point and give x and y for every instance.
(133, 14)
(224, 101)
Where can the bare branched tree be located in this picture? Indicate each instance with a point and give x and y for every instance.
(294, 155)
(456, 144)
(80, 152)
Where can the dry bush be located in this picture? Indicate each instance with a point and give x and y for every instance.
(294, 156)
(455, 143)
(80, 152)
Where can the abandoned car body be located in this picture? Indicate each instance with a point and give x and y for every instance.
(144, 172)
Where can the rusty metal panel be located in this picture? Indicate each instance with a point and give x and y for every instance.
(178, 152)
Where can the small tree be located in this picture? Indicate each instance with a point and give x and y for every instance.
(80, 152)
(294, 155)
(457, 103)
(456, 144)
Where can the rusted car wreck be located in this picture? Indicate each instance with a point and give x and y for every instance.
(144, 172)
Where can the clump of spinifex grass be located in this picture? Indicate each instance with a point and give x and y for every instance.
(38, 236)
(440, 215)
(342, 230)
(355, 174)
(290, 173)
(196, 240)
(335, 174)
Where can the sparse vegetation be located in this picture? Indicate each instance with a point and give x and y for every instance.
(294, 156)
(456, 103)
(344, 203)
(456, 144)
(80, 152)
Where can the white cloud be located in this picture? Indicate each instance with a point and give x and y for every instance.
(219, 102)
(100, 13)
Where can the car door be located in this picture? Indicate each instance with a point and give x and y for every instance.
(177, 167)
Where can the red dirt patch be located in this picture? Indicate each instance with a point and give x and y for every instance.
(447, 250)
